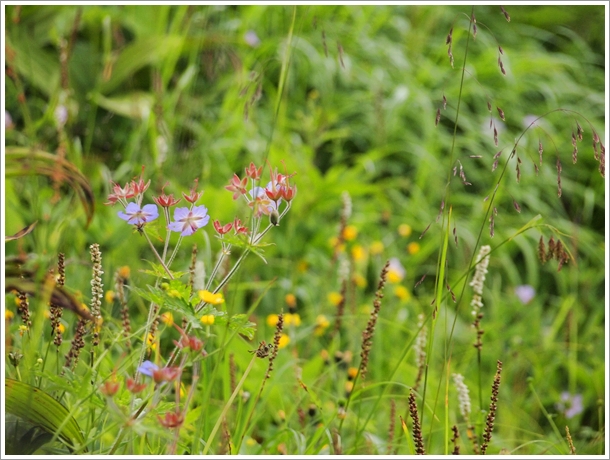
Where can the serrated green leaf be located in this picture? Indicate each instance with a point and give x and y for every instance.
(173, 302)
(39, 408)
(159, 272)
(241, 241)
(242, 325)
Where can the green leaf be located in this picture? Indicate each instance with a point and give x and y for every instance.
(39, 408)
(241, 241)
(140, 54)
(175, 299)
(23, 438)
(242, 325)
(136, 105)
(159, 272)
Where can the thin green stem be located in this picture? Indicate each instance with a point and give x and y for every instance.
(546, 414)
(165, 267)
(227, 406)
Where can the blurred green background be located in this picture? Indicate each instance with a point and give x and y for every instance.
(190, 92)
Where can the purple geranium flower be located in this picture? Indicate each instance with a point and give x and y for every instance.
(188, 221)
(147, 368)
(570, 405)
(134, 215)
(525, 293)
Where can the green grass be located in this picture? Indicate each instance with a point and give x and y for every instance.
(345, 97)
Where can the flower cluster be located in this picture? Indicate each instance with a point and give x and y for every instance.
(187, 220)
(267, 200)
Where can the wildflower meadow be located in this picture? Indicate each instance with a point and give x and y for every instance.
(305, 229)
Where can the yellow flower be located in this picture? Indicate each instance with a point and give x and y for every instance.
(349, 386)
(208, 320)
(359, 280)
(211, 298)
(183, 389)
(46, 314)
(61, 328)
(376, 247)
(394, 276)
(352, 372)
(272, 320)
(335, 298)
(302, 266)
(292, 318)
(8, 315)
(396, 272)
(334, 243)
(124, 272)
(322, 324)
(402, 293)
(413, 248)
(322, 321)
(98, 323)
(350, 233)
(22, 329)
(17, 301)
(168, 318)
(284, 340)
(109, 296)
(404, 230)
(358, 253)
(291, 300)
(150, 342)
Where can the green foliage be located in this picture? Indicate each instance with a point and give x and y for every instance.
(346, 97)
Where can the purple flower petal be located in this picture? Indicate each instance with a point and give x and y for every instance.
(188, 221)
(525, 293)
(147, 368)
(134, 215)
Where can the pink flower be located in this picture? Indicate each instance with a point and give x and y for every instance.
(238, 186)
(166, 201)
(222, 229)
(193, 196)
(188, 221)
(120, 194)
(253, 172)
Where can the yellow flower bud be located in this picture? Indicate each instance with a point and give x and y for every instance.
(404, 230)
(208, 320)
(413, 248)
